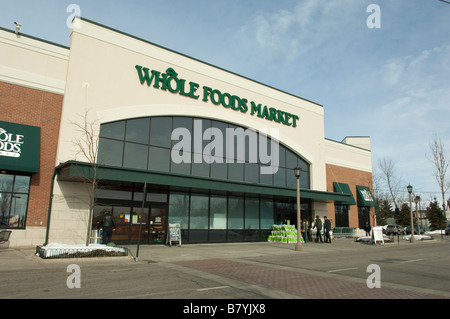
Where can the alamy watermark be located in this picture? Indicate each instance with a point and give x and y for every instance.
(75, 11)
(230, 146)
(374, 19)
(74, 279)
(374, 279)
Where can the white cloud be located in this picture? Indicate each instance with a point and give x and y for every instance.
(288, 34)
(415, 107)
(418, 86)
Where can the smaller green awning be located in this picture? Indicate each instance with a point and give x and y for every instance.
(365, 197)
(344, 189)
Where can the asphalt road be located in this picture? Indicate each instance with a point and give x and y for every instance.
(237, 272)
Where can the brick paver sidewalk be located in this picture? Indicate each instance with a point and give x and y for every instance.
(298, 283)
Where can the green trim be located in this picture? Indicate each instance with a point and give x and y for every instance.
(344, 189)
(75, 171)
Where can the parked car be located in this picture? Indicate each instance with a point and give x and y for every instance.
(394, 229)
(401, 230)
(447, 229)
(408, 230)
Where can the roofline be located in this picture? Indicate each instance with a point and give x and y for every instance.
(189, 57)
(162, 47)
(35, 38)
(342, 143)
(358, 136)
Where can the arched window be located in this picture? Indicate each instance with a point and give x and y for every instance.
(200, 147)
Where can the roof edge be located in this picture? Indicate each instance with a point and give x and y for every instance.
(35, 38)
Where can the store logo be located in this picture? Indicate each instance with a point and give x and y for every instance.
(231, 148)
(367, 195)
(10, 144)
(169, 81)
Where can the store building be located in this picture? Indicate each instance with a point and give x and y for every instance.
(215, 150)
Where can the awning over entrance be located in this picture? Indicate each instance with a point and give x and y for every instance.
(344, 189)
(365, 197)
(77, 171)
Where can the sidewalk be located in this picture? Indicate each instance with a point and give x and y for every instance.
(26, 258)
(236, 250)
(256, 249)
(262, 269)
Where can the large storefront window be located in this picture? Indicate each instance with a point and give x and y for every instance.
(211, 149)
(14, 193)
(341, 215)
(179, 209)
(218, 215)
(148, 144)
(363, 216)
(204, 217)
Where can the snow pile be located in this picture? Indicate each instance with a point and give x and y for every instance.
(369, 239)
(417, 237)
(435, 232)
(58, 249)
(425, 236)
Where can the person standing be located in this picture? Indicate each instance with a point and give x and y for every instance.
(107, 224)
(318, 226)
(367, 229)
(327, 229)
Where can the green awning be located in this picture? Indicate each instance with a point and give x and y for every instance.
(77, 171)
(365, 197)
(344, 189)
(19, 147)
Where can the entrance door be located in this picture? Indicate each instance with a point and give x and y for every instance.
(153, 227)
(157, 224)
(139, 223)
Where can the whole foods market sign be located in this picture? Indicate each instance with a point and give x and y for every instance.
(169, 81)
(19, 147)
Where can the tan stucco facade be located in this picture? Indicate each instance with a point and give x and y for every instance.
(98, 75)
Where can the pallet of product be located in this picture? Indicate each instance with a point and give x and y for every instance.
(283, 234)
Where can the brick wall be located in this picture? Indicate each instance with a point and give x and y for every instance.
(352, 177)
(33, 107)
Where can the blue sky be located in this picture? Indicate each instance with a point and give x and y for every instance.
(390, 83)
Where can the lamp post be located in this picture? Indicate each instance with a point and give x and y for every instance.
(298, 247)
(417, 201)
(410, 188)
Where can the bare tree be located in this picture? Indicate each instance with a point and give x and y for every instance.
(87, 146)
(440, 162)
(388, 174)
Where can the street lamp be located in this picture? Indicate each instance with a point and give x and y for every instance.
(298, 172)
(417, 201)
(410, 188)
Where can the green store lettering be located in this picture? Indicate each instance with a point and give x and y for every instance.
(169, 81)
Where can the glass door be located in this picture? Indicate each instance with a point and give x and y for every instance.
(139, 221)
(157, 223)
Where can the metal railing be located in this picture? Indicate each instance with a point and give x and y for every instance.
(344, 232)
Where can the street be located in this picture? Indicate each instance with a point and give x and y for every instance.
(253, 271)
